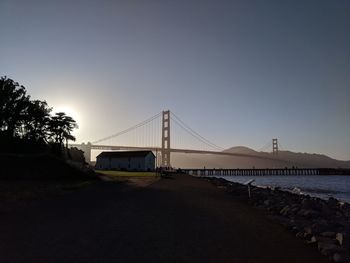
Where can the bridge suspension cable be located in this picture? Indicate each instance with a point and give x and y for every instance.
(267, 146)
(193, 133)
(148, 134)
(129, 129)
(280, 146)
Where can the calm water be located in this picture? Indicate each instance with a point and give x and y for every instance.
(321, 186)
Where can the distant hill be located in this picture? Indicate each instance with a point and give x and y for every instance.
(241, 149)
(261, 160)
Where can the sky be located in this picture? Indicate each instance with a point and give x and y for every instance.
(237, 72)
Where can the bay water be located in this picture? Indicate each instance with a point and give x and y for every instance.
(322, 186)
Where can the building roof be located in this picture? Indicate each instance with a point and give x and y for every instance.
(124, 154)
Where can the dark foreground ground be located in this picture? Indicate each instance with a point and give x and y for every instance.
(172, 220)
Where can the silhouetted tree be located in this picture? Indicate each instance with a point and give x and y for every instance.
(13, 106)
(60, 126)
(26, 125)
(36, 121)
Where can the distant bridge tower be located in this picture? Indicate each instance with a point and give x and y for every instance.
(274, 146)
(86, 148)
(165, 152)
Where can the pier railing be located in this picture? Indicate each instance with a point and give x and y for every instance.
(264, 172)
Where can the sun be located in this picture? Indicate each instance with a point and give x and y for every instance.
(68, 110)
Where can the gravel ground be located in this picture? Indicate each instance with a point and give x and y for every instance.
(170, 220)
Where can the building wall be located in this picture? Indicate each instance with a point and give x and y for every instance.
(150, 161)
(102, 163)
(130, 164)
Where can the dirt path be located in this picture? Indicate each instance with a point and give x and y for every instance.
(179, 220)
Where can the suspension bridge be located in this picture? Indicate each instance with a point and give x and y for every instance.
(163, 133)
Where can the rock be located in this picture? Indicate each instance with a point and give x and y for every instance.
(327, 249)
(320, 226)
(308, 213)
(347, 213)
(339, 237)
(338, 214)
(327, 240)
(267, 202)
(345, 208)
(332, 202)
(328, 234)
(294, 210)
(308, 230)
(307, 233)
(294, 229)
(307, 236)
(284, 211)
(313, 239)
(306, 203)
(337, 257)
(296, 190)
(325, 210)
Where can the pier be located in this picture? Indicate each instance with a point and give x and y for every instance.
(265, 172)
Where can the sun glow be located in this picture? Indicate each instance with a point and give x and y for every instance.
(70, 111)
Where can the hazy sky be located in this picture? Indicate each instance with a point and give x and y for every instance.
(239, 72)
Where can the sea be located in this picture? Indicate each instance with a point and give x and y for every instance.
(322, 186)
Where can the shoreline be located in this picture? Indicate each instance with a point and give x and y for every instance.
(320, 186)
(324, 224)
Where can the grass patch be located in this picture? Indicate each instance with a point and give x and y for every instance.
(126, 173)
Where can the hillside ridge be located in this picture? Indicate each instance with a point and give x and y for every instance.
(282, 160)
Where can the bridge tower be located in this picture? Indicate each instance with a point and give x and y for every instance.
(274, 146)
(86, 148)
(165, 152)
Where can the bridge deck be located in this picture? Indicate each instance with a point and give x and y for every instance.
(159, 149)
